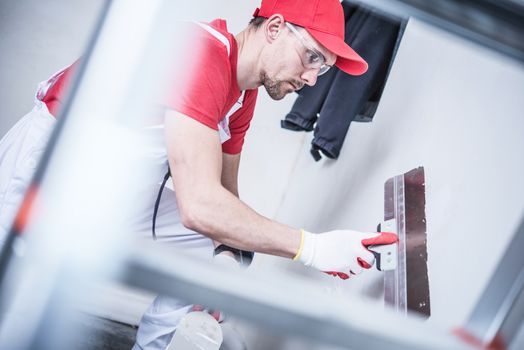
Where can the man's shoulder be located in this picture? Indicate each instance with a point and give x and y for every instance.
(214, 33)
(213, 53)
(220, 25)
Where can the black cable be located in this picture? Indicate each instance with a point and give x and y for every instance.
(157, 203)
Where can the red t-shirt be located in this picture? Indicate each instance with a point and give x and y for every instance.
(210, 93)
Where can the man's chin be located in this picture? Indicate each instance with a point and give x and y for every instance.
(277, 96)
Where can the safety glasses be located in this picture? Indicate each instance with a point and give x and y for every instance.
(312, 59)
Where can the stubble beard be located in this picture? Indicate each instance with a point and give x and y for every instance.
(274, 87)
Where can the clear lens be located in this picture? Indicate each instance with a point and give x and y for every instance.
(323, 69)
(311, 59)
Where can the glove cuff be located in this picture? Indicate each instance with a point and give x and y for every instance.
(301, 246)
(307, 251)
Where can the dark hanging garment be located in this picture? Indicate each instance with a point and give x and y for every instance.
(304, 113)
(338, 98)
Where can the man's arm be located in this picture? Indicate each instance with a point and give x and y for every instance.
(230, 166)
(206, 205)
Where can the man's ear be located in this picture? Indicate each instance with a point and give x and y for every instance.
(273, 27)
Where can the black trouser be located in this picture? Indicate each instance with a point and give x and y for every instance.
(338, 97)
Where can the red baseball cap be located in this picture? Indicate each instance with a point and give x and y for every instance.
(324, 20)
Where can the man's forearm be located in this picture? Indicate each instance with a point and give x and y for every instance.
(220, 215)
(231, 186)
(198, 169)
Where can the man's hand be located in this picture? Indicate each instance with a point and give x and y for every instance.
(341, 252)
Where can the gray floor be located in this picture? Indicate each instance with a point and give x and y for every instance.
(101, 333)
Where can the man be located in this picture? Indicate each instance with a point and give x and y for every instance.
(287, 45)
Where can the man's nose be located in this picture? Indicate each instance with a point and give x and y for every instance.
(310, 76)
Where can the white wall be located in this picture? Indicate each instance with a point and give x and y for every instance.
(38, 38)
(456, 109)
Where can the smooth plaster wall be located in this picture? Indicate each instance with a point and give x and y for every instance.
(38, 38)
(456, 109)
(449, 105)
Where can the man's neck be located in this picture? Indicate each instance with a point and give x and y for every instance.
(248, 71)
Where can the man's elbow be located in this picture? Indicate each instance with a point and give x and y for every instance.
(197, 207)
(190, 218)
(192, 215)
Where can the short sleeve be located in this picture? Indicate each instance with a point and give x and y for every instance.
(239, 123)
(202, 84)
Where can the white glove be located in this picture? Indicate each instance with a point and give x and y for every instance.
(336, 251)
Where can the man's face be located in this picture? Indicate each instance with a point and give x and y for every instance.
(287, 64)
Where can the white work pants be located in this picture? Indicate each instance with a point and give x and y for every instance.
(20, 151)
(159, 322)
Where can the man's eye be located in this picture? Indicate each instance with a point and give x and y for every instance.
(312, 57)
